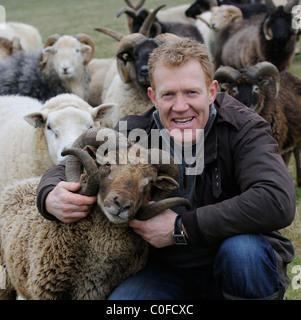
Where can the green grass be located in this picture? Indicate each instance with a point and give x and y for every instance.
(74, 16)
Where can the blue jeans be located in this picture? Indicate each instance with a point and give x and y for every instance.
(244, 267)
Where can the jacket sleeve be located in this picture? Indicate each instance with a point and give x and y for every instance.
(267, 199)
(48, 182)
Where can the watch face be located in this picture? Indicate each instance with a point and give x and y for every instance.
(179, 239)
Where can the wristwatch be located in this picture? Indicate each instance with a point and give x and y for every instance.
(178, 235)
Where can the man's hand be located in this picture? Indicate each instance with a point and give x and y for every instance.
(157, 230)
(67, 206)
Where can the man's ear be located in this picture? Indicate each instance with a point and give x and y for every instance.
(152, 95)
(212, 91)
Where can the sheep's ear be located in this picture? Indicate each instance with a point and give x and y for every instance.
(45, 55)
(35, 119)
(166, 183)
(87, 53)
(103, 111)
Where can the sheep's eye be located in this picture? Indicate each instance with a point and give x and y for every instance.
(125, 56)
(108, 164)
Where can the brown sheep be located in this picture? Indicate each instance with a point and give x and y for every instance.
(42, 259)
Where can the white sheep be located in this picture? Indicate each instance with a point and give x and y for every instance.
(42, 259)
(60, 68)
(30, 37)
(28, 148)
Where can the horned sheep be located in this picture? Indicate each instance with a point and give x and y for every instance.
(33, 135)
(263, 37)
(275, 96)
(128, 77)
(60, 68)
(48, 260)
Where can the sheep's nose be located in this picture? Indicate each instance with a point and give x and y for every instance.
(144, 71)
(65, 70)
(121, 205)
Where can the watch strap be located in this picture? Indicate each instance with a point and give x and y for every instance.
(178, 234)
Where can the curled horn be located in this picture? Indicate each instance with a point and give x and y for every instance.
(226, 74)
(147, 24)
(73, 170)
(84, 38)
(265, 68)
(153, 209)
(48, 43)
(81, 159)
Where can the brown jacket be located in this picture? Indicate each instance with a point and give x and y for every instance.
(245, 186)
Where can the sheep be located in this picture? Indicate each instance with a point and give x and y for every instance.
(60, 68)
(275, 96)
(33, 135)
(30, 37)
(261, 38)
(9, 47)
(158, 27)
(42, 259)
(128, 89)
(210, 22)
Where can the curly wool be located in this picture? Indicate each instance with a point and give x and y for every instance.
(51, 260)
(21, 74)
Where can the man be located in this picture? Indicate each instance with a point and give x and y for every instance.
(227, 245)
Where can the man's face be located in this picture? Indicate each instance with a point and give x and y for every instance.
(182, 98)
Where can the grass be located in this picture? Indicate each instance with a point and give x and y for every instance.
(74, 16)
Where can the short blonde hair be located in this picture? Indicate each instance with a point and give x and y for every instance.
(178, 52)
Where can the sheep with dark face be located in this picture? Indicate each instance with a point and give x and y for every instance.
(128, 83)
(42, 259)
(60, 68)
(275, 96)
(263, 37)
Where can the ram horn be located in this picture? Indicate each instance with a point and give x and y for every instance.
(289, 6)
(136, 6)
(129, 11)
(265, 68)
(147, 24)
(78, 158)
(272, 8)
(112, 33)
(51, 40)
(153, 209)
(84, 38)
(226, 74)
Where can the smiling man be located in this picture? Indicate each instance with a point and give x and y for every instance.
(227, 244)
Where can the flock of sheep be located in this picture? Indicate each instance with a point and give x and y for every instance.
(66, 97)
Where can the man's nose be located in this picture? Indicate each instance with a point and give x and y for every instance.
(180, 103)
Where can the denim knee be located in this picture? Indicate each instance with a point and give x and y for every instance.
(246, 267)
